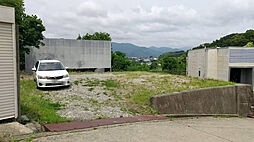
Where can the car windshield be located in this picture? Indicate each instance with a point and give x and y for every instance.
(50, 66)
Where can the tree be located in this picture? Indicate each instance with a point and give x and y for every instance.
(30, 28)
(95, 36)
(79, 37)
(154, 65)
(249, 44)
(119, 62)
(235, 39)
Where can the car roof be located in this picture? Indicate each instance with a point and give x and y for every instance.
(48, 61)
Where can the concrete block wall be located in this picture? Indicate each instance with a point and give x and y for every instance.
(197, 62)
(223, 64)
(75, 54)
(229, 100)
(212, 63)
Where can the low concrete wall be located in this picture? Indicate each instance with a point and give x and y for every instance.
(230, 100)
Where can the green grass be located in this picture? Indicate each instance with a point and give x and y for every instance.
(137, 97)
(93, 102)
(36, 107)
(102, 117)
(92, 83)
(76, 82)
(110, 83)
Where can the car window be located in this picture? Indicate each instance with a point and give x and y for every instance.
(50, 66)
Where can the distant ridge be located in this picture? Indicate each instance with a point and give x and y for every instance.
(132, 50)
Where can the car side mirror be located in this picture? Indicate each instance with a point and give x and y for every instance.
(66, 68)
(33, 69)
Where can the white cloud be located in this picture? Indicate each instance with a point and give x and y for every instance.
(177, 23)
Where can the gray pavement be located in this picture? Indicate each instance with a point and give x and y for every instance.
(205, 129)
(13, 129)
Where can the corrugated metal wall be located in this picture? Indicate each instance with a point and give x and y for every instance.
(7, 72)
(241, 56)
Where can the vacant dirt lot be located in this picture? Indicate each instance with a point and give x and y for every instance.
(108, 95)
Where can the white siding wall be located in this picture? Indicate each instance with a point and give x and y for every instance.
(8, 83)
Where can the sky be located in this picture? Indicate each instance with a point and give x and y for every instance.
(162, 23)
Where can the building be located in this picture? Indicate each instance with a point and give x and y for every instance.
(8, 65)
(74, 54)
(229, 64)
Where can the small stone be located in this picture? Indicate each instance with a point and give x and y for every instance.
(24, 119)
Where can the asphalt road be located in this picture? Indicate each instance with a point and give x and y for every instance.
(205, 129)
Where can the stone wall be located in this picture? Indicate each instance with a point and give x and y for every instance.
(229, 100)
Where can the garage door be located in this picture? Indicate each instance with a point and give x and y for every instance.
(7, 70)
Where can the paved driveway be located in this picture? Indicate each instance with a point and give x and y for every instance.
(206, 129)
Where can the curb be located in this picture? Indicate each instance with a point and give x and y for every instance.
(67, 126)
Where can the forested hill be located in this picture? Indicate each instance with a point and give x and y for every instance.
(235, 39)
(132, 50)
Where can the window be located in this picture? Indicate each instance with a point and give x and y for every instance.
(199, 73)
(49, 66)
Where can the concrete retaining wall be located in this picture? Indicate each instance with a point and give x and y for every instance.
(75, 54)
(231, 100)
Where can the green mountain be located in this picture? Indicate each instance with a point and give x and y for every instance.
(132, 50)
(235, 39)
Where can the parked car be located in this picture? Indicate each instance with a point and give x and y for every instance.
(50, 73)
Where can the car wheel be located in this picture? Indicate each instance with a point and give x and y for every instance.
(37, 86)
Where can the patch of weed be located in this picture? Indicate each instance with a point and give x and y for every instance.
(93, 102)
(91, 83)
(76, 82)
(90, 89)
(86, 108)
(110, 83)
(102, 117)
(35, 106)
(77, 98)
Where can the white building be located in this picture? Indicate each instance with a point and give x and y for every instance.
(229, 64)
(8, 65)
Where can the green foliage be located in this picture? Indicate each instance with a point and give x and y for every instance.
(30, 28)
(249, 44)
(172, 54)
(174, 65)
(76, 82)
(135, 66)
(92, 83)
(35, 106)
(119, 61)
(95, 36)
(110, 83)
(235, 39)
(154, 65)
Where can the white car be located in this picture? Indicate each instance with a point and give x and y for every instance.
(50, 73)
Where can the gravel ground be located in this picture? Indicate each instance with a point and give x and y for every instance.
(117, 94)
(83, 102)
(89, 98)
